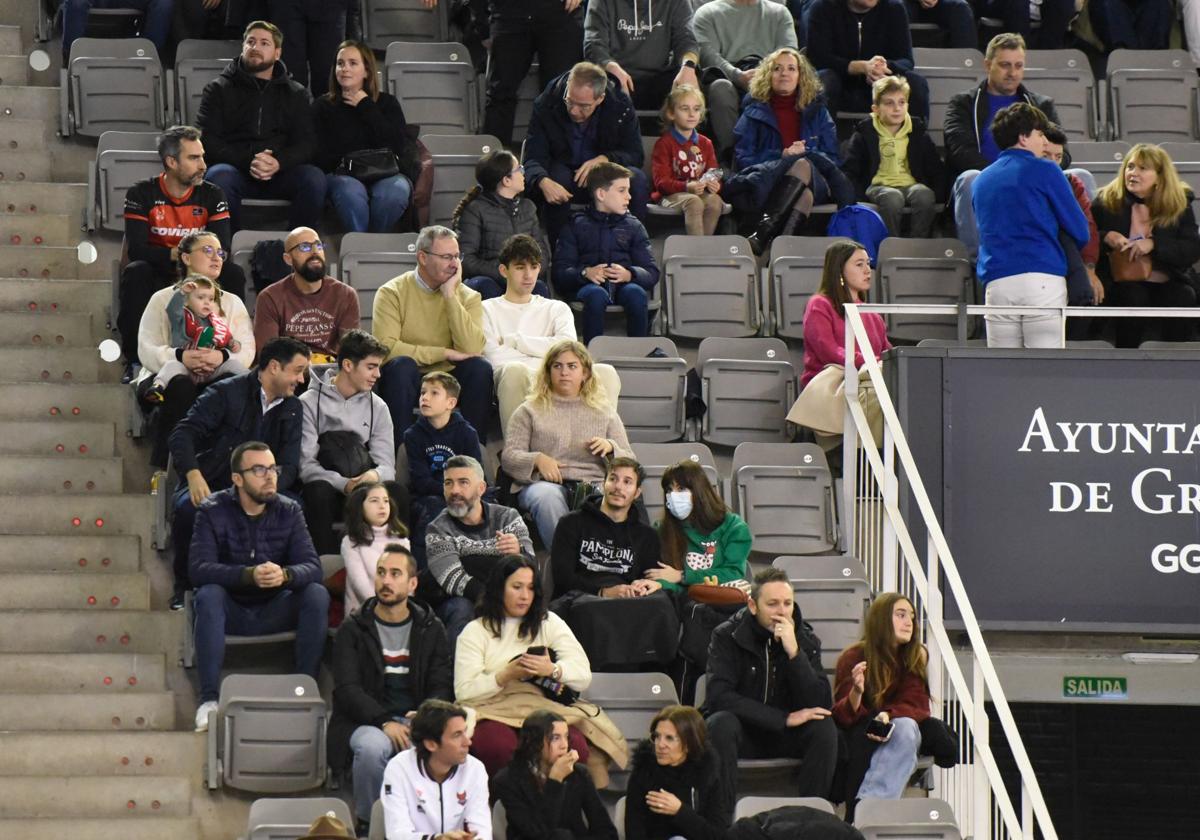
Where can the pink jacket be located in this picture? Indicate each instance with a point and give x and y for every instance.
(825, 337)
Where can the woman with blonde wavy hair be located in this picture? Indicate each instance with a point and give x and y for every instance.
(786, 120)
(1148, 241)
(560, 438)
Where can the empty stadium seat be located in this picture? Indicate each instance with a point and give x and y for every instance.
(748, 806)
(198, 62)
(748, 385)
(1066, 77)
(929, 271)
(1103, 160)
(268, 735)
(436, 86)
(377, 831)
(906, 819)
(289, 819)
(385, 21)
(631, 701)
(368, 260)
(795, 269)
(1152, 95)
(784, 491)
(528, 91)
(122, 159)
(454, 158)
(949, 72)
(112, 84)
(656, 457)
(651, 403)
(1186, 157)
(710, 286)
(833, 595)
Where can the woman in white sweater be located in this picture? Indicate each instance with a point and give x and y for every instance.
(512, 658)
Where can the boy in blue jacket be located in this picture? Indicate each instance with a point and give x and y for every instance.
(603, 256)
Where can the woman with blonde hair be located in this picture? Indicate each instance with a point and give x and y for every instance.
(560, 438)
(1148, 241)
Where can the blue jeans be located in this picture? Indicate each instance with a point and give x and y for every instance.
(156, 20)
(488, 288)
(400, 387)
(547, 503)
(456, 613)
(893, 762)
(303, 186)
(374, 209)
(304, 610)
(372, 750)
(631, 296)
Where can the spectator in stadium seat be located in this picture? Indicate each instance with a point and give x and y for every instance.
(734, 35)
(258, 130)
(580, 120)
(648, 49)
(1083, 284)
(372, 524)
(388, 658)
(882, 678)
(1021, 201)
(255, 571)
(258, 405)
(307, 305)
(1015, 16)
(560, 438)
(1148, 230)
(553, 29)
(436, 788)
(338, 404)
(465, 542)
(159, 212)
(675, 788)
(200, 254)
(491, 212)
(767, 696)
(683, 165)
(954, 17)
(156, 20)
(428, 320)
(1136, 25)
(511, 655)
(855, 43)
(354, 116)
(205, 19)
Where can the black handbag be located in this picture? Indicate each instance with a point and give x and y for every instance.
(369, 165)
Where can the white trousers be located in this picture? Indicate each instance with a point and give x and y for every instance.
(1030, 289)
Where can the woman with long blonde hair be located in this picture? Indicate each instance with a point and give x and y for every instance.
(1148, 241)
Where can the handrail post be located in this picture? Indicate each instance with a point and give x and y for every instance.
(981, 808)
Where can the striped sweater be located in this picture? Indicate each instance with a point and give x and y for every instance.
(461, 555)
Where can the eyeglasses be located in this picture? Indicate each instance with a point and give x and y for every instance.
(445, 257)
(520, 170)
(581, 107)
(308, 247)
(261, 471)
(209, 250)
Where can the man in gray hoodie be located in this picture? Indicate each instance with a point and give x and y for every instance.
(648, 47)
(341, 400)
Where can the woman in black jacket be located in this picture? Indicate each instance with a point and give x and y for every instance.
(675, 788)
(546, 794)
(353, 117)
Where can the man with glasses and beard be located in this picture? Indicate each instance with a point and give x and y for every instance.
(256, 571)
(307, 305)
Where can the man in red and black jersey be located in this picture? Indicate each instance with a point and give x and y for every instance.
(159, 212)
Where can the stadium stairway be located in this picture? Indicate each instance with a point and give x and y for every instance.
(95, 713)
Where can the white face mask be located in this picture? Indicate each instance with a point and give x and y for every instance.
(679, 503)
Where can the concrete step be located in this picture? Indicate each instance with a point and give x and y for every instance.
(21, 165)
(74, 440)
(103, 711)
(49, 401)
(46, 262)
(43, 673)
(44, 198)
(50, 296)
(84, 796)
(87, 631)
(56, 364)
(24, 135)
(14, 69)
(73, 591)
(60, 475)
(27, 102)
(86, 828)
(100, 754)
(11, 43)
(95, 555)
(49, 329)
(59, 229)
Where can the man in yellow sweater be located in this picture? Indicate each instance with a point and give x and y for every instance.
(428, 320)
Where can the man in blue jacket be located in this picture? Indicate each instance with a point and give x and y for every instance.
(581, 119)
(255, 570)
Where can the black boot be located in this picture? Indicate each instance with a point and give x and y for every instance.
(776, 212)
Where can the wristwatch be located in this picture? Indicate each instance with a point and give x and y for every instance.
(556, 674)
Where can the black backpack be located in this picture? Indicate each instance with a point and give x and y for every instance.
(266, 263)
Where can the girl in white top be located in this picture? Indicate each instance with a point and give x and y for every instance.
(372, 523)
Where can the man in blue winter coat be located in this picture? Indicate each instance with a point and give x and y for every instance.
(255, 571)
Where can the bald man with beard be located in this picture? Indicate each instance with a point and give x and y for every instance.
(308, 304)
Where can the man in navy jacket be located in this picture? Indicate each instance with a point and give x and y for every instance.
(255, 570)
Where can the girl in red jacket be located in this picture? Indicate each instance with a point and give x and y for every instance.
(881, 694)
(684, 164)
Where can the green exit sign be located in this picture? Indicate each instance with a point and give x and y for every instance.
(1095, 688)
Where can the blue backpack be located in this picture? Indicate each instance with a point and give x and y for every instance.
(862, 224)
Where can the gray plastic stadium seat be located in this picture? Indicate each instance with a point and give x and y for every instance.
(784, 491)
(1103, 160)
(833, 595)
(289, 819)
(454, 159)
(242, 249)
(795, 276)
(122, 159)
(619, 817)
(651, 403)
(952, 342)
(436, 86)
(528, 91)
(385, 21)
(198, 62)
(268, 735)
(948, 72)
(1152, 95)
(656, 457)
(906, 819)
(748, 385)
(710, 286)
(1169, 345)
(499, 821)
(371, 259)
(377, 827)
(930, 271)
(113, 84)
(631, 701)
(1066, 77)
(655, 208)
(748, 806)
(1186, 157)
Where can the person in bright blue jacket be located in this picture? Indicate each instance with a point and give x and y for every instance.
(603, 256)
(1021, 203)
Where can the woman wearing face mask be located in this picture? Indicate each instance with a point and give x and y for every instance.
(703, 541)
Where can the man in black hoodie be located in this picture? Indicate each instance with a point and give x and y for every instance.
(258, 131)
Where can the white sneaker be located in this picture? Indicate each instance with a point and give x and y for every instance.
(202, 714)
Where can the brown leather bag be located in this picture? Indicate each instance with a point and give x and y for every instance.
(1129, 269)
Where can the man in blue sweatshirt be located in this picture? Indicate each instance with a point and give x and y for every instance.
(1021, 202)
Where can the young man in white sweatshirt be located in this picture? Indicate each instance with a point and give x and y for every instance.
(520, 327)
